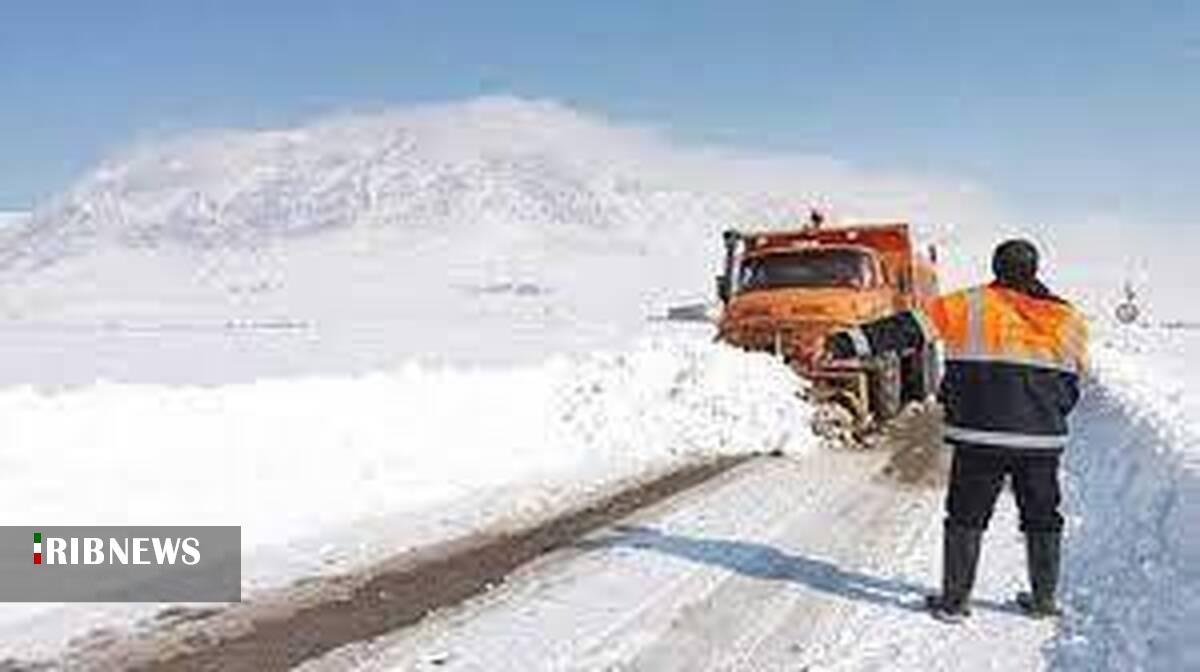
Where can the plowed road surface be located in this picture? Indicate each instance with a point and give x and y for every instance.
(817, 562)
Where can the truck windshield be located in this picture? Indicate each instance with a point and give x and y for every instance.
(810, 268)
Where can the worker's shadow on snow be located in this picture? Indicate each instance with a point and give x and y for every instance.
(767, 562)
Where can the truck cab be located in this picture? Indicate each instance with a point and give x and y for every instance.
(785, 291)
(787, 299)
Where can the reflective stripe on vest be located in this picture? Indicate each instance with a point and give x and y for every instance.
(1028, 360)
(1005, 439)
(976, 345)
(975, 320)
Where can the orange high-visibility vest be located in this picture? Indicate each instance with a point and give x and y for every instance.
(996, 324)
(1013, 363)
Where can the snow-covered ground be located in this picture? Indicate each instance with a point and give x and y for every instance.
(326, 474)
(816, 564)
(1133, 561)
(1131, 583)
(377, 331)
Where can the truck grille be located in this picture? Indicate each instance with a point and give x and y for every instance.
(799, 342)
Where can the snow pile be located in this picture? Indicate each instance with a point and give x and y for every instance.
(703, 400)
(1151, 372)
(298, 463)
(1133, 561)
(382, 442)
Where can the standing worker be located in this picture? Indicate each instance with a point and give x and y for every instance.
(1014, 356)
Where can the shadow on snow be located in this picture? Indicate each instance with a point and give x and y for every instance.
(761, 561)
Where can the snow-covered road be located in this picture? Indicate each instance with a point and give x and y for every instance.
(780, 564)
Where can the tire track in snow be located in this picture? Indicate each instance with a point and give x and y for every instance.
(600, 604)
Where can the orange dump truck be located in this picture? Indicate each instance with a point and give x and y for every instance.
(784, 291)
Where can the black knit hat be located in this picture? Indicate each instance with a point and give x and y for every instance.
(1015, 261)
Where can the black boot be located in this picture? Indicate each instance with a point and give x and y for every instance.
(960, 556)
(1042, 551)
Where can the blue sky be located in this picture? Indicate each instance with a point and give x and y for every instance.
(1071, 106)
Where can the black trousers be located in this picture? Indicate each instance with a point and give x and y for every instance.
(977, 477)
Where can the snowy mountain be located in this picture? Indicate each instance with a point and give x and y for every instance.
(408, 233)
(504, 169)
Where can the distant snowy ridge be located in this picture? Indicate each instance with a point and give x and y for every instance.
(523, 181)
(9, 218)
(533, 168)
(392, 234)
(513, 160)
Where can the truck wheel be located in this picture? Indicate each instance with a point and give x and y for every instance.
(885, 387)
(918, 373)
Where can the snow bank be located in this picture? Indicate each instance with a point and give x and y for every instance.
(1151, 371)
(298, 463)
(1133, 561)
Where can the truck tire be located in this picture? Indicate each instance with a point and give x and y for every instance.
(919, 373)
(885, 387)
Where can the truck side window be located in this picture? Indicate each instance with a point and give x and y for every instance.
(872, 275)
(749, 276)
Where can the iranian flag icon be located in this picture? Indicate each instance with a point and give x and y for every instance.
(37, 548)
